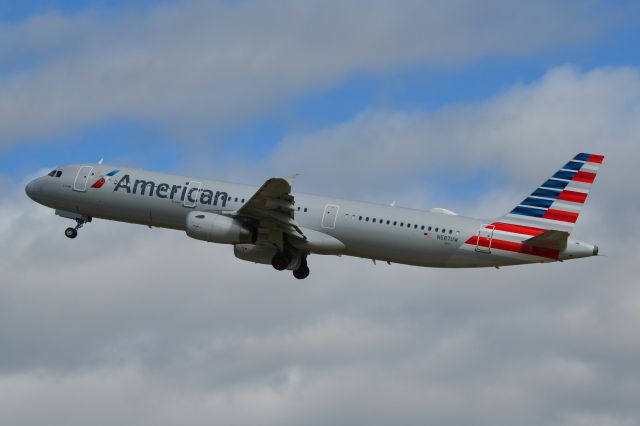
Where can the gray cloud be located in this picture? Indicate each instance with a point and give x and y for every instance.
(524, 135)
(205, 65)
(135, 326)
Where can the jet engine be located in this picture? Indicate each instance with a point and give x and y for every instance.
(255, 254)
(216, 228)
(265, 255)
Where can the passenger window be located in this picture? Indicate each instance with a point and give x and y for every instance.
(444, 231)
(243, 200)
(374, 220)
(367, 219)
(422, 227)
(436, 229)
(429, 228)
(360, 218)
(235, 200)
(395, 223)
(305, 209)
(388, 222)
(450, 231)
(415, 226)
(299, 208)
(401, 223)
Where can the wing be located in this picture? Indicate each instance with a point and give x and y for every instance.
(273, 207)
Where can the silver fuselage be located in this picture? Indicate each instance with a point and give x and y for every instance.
(372, 231)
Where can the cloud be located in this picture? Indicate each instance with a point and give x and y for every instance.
(195, 66)
(522, 135)
(130, 325)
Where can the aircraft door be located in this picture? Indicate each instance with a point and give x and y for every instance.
(485, 235)
(82, 178)
(192, 194)
(330, 216)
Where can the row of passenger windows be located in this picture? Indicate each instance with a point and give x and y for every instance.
(234, 199)
(242, 200)
(402, 224)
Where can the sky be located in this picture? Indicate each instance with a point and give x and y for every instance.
(458, 104)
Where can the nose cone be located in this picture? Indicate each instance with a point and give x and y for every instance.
(32, 190)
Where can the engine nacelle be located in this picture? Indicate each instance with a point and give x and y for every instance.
(255, 254)
(264, 255)
(216, 228)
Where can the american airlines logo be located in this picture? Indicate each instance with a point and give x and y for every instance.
(172, 192)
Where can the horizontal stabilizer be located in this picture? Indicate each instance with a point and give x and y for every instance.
(549, 239)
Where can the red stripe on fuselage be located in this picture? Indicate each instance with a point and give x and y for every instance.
(573, 196)
(561, 215)
(586, 177)
(514, 247)
(517, 229)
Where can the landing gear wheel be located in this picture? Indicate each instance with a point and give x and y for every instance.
(302, 272)
(280, 261)
(71, 233)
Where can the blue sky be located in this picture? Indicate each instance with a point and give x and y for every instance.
(422, 85)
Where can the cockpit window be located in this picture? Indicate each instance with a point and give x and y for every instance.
(52, 173)
(59, 173)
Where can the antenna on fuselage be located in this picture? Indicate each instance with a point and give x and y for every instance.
(101, 161)
(393, 203)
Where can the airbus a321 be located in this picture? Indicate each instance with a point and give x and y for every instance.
(271, 225)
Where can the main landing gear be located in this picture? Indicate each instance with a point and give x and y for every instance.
(73, 232)
(282, 260)
(303, 270)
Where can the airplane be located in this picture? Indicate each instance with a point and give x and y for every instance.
(271, 225)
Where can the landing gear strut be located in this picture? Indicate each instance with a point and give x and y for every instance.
(73, 232)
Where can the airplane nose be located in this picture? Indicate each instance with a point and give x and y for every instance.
(30, 189)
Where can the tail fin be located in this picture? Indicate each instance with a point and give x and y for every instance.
(556, 204)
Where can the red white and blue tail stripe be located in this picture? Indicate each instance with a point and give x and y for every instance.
(557, 203)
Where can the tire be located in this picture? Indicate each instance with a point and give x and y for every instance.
(71, 233)
(280, 261)
(302, 272)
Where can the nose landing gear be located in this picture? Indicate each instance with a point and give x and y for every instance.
(73, 232)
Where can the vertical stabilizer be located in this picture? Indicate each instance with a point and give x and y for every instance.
(557, 203)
